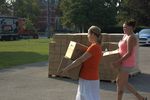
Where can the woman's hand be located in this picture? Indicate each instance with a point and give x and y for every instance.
(63, 71)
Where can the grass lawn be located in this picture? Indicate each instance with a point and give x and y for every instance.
(19, 52)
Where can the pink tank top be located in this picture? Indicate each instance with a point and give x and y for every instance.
(130, 61)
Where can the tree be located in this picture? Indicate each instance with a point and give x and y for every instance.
(83, 13)
(27, 9)
(29, 26)
(5, 8)
(135, 9)
(2, 2)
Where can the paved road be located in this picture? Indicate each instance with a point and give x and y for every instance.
(30, 82)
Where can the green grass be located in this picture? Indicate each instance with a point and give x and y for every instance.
(19, 52)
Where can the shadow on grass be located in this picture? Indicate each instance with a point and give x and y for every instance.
(13, 59)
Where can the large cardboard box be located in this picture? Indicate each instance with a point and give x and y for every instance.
(106, 71)
(72, 73)
(54, 58)
(75, 50)
(115, 37)
(110, 46)
(58, 49)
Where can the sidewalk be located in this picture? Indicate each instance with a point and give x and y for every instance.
(31, 82)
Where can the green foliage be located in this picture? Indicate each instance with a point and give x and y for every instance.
(112, 29)
(2, 2)
(118, 29)
(135, 9)
(29, 26)
(27, 9)
(84, 13)
(5, 8)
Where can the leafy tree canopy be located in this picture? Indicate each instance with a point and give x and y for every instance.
(135, 9)
(27, 9)
(84, 13)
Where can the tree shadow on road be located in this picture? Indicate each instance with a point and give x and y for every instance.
(141, 82)
(144, 45)
(65, 79)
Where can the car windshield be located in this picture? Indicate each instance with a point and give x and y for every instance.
(145, 31)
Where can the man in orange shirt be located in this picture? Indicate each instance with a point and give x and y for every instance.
(89, 85)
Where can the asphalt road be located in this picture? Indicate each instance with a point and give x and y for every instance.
(31, 82)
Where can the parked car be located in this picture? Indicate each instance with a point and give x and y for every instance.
(144, 36)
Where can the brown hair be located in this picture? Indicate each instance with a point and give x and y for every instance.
(97, 32)
(131, 23)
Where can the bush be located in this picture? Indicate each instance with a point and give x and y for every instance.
(113, 29)
(29, 26)
(119, 29)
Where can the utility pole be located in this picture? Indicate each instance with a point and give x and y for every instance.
(48, 19)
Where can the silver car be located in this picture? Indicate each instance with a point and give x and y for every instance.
(144, 36)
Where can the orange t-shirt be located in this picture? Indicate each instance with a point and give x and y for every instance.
(90, 68)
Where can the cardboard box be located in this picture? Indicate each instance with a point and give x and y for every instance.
(72, 73)
(75, 50)
(58, 49)
(106, 72)
(110, 46)
(54, 58)
(115, 37)
(112, 37)
(105, 37)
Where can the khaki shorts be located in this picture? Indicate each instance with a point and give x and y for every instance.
(127, 69)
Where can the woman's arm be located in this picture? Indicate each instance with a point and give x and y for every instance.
(78, 61)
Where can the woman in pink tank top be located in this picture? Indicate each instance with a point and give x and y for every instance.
(127, 50)
(130, 62)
